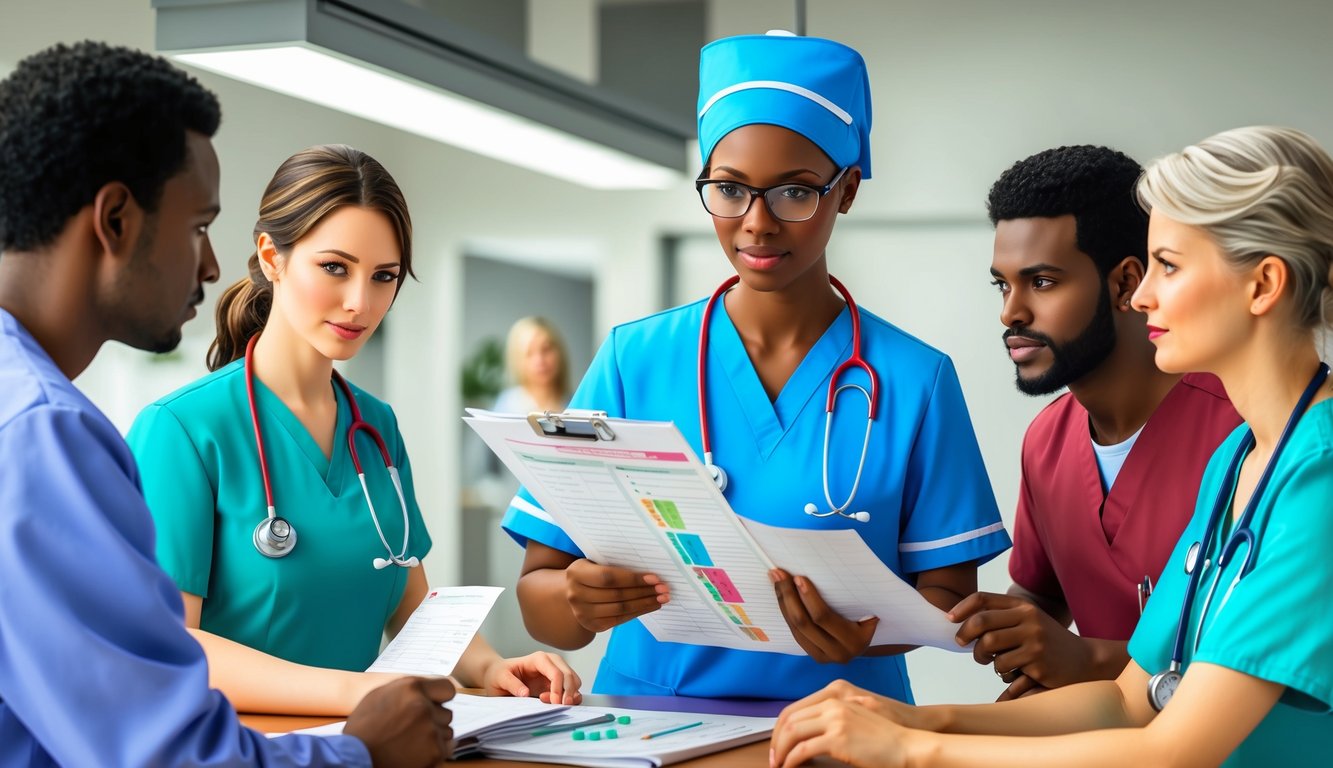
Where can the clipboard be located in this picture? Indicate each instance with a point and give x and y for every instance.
(634, 494)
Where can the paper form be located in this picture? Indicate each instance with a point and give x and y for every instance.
(857, 584)
(628, 748)
(438, 631)
(475, 716)
(644, 501)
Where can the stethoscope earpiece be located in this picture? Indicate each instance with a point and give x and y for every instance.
(274, 537)
(860, 517)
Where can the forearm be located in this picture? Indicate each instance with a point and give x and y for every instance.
(254, 681)
(1109, 658)
(1081, 707)
(470, 672)
(546, 613)
(1112, 748)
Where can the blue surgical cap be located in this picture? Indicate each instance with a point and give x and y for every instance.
(815, 87)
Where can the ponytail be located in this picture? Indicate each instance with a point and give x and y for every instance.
(241, 313)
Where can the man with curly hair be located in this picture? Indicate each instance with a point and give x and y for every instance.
(1111, 468)
(108, 183)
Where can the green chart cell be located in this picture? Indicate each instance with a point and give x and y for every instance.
(669, 513)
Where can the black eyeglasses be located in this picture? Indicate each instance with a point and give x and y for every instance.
(787, 202)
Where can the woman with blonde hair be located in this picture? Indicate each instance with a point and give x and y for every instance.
(1233, 659)
(291, 605)
(537, 361)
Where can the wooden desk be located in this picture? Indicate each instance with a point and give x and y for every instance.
(749, 756)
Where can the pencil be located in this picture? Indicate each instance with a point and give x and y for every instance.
(607, 718)
(671, 730)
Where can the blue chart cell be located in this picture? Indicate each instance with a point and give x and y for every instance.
(693, 548)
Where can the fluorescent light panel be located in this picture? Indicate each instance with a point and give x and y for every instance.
(316, 76)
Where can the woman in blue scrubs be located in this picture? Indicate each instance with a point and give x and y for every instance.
(1232, 662)
(784, 133)
(291, 603)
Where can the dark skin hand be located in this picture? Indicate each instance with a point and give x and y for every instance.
(403, 723)
(566, 600)
(833, 639)
(1029, 649)
(605, 596)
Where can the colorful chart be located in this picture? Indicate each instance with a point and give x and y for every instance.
(720, 585)
(670, 513)
(690, 548)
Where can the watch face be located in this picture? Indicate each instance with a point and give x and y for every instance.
(1162, 687)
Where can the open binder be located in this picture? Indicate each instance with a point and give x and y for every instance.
(633, 494)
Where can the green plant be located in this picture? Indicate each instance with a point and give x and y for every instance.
(483, 372)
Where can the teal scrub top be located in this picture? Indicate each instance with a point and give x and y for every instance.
(323, 604)
(1276, 625)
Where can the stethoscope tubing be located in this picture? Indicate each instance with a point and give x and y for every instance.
(358, 425)
(854, 360)
(1242, 533)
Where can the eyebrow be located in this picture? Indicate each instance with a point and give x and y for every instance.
(355, 260)
(1158, 251)
(1029, 271)
(212, 210)
(788, 175)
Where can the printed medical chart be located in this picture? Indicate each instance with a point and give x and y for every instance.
(644, 501)
(438, 631)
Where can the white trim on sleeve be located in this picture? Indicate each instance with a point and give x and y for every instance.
(778, 85)
(523, 505)
(924, 546)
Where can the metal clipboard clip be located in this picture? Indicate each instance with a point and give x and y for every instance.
(577, 424)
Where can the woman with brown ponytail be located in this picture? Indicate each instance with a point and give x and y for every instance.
(239, 463)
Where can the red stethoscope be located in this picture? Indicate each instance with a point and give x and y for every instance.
(275, 536)
(855, 360)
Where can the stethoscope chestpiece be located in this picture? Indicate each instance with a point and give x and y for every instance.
(275, 537)
(718, 474)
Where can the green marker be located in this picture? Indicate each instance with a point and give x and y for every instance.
(611, 733)
(623, 720)
(578, 735)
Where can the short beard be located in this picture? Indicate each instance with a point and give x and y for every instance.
(1074, 359)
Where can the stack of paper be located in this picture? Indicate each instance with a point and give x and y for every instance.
(476, 718)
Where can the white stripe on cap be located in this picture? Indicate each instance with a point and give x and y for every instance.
(778, 85)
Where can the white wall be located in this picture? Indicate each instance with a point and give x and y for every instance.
(962, 89)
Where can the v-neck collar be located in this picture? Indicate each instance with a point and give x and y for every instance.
(770, 420)
(329, 469)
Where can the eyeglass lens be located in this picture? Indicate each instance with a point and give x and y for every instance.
(789, 202)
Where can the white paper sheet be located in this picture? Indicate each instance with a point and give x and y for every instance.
(644, 501)
(438, 631)
(713, 733)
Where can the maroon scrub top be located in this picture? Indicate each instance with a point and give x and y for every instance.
(1093, 549)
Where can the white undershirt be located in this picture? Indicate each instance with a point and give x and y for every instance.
(1110, 458)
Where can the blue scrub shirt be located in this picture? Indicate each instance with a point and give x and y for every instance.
(96, 667)
(1275, 625)
(924, 483)
(323, 604)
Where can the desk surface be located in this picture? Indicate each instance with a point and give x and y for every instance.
(749, 756)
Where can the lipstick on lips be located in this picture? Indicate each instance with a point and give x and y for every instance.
(1022, 349)
(347, 331)
(760, 257)
(1154, 332)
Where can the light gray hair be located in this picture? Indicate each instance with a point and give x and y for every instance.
(1257, 191)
